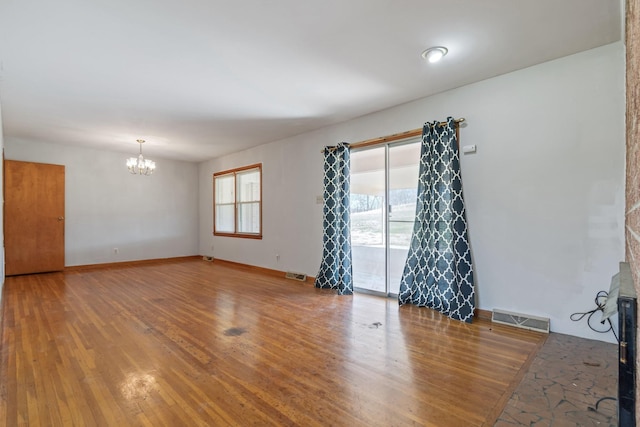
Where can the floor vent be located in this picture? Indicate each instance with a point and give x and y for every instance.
(296, 276)
(207, 258)
(524, 321)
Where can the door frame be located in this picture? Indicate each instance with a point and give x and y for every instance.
(385, 209)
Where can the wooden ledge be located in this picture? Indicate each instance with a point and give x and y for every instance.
(136, 263)
(256, 269)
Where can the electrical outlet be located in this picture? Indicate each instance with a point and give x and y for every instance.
(115, 251)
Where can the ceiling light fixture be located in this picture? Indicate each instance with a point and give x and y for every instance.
(139, 165)
(435, 54)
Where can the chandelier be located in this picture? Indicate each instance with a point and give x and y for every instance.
(139, 165)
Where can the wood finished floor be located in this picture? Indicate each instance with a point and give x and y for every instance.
(193, 343)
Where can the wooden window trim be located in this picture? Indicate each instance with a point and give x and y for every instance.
(236, 233)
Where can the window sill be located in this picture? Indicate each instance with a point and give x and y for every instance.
(239, 235)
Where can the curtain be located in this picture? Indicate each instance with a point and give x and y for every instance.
(335, 267)
(438, 272)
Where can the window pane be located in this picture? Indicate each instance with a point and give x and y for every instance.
(224, 218)
(248, 185)
(249, 217)
(237, 205)
(225, 189)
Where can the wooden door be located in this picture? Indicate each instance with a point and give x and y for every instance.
(33, 217)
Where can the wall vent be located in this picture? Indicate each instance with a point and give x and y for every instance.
(296, 276)
(524, 321)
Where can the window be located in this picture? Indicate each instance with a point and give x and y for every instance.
(237, 202)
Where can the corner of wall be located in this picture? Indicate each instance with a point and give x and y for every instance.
(632, 211)
(1, 212)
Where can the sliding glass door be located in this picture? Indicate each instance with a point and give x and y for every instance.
(383, 196)
(404, 161)
(368, 219)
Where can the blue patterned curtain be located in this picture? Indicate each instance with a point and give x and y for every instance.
(335, 268)
(438, 272)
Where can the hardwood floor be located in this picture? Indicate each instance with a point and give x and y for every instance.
(196, 343)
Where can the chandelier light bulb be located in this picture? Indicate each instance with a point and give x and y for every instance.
(139, 165)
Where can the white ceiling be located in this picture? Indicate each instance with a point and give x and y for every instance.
(202, 78)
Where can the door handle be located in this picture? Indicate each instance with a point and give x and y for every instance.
(60, 218)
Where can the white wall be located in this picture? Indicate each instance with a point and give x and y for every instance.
(544, 192)
(144, 217)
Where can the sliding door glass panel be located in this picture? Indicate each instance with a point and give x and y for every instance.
(403, 183)
(368, 219)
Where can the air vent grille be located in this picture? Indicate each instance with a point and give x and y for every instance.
(296, 276)
(524, 321)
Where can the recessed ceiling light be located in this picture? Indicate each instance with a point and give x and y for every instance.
(435, 54)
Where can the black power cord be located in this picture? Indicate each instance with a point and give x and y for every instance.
(600, 300)
(591, 408)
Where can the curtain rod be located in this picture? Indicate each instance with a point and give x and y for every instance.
(396, 136)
